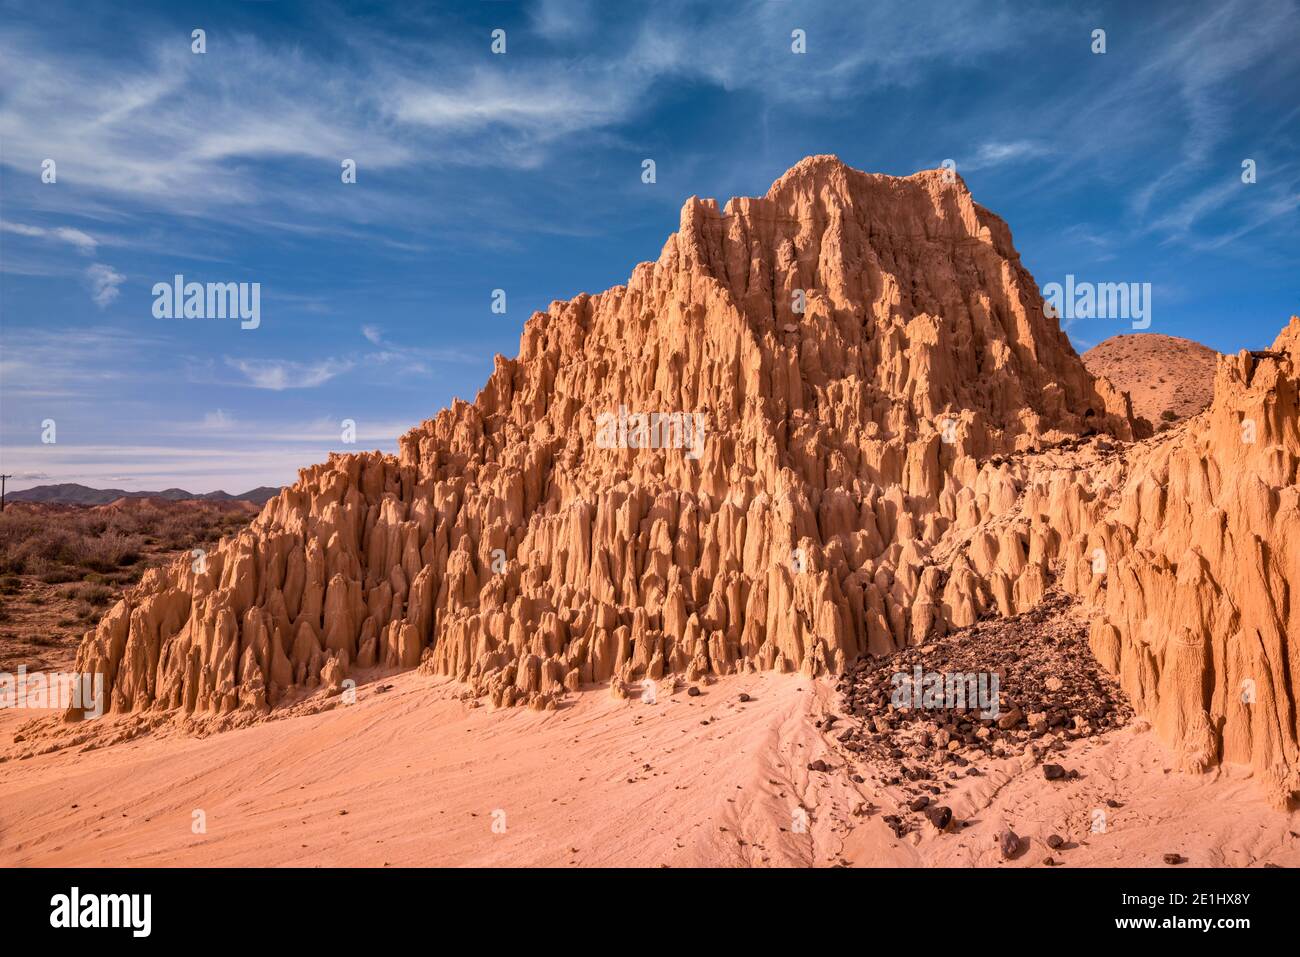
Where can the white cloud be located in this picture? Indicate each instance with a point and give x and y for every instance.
(199, 469)
(83, 242)
(1282, 204)
(280, 374)
(104, 281)
(78, 363)
(373, 334)
(999, 152)
(392, 100)
(217, 421)
(99, 116)
(563, 19)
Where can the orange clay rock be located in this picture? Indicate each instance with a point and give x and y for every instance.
(876, 434)
(1199, 546)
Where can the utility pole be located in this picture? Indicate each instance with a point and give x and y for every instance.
(2, 490)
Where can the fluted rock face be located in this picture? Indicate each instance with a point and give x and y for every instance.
(1199, 541)
(870, 421)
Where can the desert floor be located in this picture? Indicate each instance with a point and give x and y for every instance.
(415, 776)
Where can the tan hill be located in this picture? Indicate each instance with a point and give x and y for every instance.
(1169, 379)
(885, 440)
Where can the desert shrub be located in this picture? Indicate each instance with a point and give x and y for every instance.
(92, 595)
(17, 527)
(49, 544)
(58, 576)
(103, 547)
(110, 551)
(185, 529)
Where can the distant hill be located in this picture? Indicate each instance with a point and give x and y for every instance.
(73, 494)
(1169, 378)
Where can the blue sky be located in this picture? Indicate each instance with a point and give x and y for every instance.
(522, 172)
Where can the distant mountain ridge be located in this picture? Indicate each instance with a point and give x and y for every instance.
(71, 493)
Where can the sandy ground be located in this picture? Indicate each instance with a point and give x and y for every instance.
(418, 777)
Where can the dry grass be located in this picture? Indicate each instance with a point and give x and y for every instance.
(62, 568)
(73, 545)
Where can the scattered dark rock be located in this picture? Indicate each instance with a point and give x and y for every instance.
(1175, 859)
(1053, 772)
(1052, 692)
(940, 816)
(744, 697)
(819, 765)
(693, 692)
(1055, 842)
(1009, 842)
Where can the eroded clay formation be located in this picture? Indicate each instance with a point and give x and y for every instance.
(894, 440)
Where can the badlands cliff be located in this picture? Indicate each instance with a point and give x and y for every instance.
(893, 441)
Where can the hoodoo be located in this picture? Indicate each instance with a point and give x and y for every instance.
(896, 441)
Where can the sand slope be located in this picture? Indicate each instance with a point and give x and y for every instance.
(1160, 373)
(599, 782)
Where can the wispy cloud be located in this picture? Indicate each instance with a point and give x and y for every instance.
(1282, 204)
(83, 242)
(410, 359)
(280, 374)
(563, 19)
(134, 467)
(104, 282)
(998, 153)
(217, 421)
(393, 102)
(78, 361)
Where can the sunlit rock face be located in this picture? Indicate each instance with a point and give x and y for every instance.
(826, 422)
